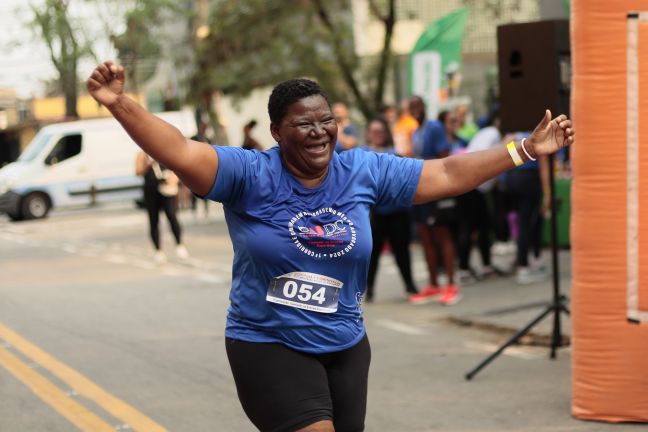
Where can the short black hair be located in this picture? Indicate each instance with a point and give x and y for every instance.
(288, 92)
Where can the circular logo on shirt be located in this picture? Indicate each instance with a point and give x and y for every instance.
(325, 233)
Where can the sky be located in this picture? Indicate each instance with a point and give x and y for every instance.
(25, 61)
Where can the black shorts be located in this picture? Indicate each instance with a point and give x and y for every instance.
(283, 390)
(442, 212)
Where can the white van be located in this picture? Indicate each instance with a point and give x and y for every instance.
(78, 163)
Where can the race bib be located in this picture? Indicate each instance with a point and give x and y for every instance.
(304, 290)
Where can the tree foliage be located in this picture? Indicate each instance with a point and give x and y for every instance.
(138, 46)
(65, 44)
(257, 43)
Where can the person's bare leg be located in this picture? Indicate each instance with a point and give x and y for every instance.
(320, 426)
(431, 258)
(443, 235)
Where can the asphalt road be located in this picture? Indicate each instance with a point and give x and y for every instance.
(95, 336)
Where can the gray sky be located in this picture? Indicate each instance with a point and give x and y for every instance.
(25, 62)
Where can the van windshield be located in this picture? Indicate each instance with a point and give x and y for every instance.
(34, 147)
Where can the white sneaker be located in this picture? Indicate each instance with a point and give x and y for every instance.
(503, 248)
(159, 257)
(526, 275)
(182, 252)
(538, 263)
(465, 277)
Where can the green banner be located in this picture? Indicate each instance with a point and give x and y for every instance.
(436, 58)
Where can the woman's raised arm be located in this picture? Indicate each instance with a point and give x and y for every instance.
(458, 174)
(194, 162)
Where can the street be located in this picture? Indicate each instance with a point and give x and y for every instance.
(95, 336)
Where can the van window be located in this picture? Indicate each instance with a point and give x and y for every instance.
(67, 147)
(35, 147)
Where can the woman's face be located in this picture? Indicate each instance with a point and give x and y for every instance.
(377, 134)
(451, 123)
(307, 136)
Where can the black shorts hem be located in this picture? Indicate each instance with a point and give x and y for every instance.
(303, 422)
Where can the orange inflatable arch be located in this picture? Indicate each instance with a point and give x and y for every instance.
(610, 209)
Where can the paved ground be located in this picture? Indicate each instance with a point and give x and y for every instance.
(94, 335)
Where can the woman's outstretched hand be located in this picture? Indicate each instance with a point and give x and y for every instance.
(551, 135)
(106, 83)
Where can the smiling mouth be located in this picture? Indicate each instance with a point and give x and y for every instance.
(317, 148)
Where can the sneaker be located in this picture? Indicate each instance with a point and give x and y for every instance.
(426, 295)
(526, 275)
(538, 263)
(451, 296)
(492, 271)
(182, 252)
(159, 257)
(503, 248)
(411, 289)
(466, 277)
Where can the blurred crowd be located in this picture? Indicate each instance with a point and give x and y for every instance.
(502, 217)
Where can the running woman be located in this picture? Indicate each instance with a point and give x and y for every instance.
(298, 217)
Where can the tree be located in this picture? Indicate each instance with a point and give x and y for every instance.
(256, 43)
(137, 46)
(65, 47)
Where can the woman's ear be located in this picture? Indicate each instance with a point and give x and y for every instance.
(274, 130)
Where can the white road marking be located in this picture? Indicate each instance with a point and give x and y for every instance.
(173, 272)
(209, 278)
(116, 259)
(400, 327)
(69, 248)
(521, 352)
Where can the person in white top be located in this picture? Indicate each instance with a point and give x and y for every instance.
(473, 211)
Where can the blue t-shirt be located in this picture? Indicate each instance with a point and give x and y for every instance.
(278, 227)
(429, 141)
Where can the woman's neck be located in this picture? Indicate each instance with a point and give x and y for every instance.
(310, 181)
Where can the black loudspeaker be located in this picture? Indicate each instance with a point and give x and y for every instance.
(534, 72)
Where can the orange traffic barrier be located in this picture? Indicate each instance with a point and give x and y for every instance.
(610, 210)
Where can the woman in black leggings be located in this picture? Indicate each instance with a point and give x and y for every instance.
(388, 223)
(155, 201)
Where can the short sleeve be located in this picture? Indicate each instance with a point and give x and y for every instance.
(236, 172)
(396, 178)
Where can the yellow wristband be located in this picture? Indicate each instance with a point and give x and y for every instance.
(517, 160)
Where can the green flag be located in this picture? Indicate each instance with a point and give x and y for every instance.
(436, 54)
(567, 7)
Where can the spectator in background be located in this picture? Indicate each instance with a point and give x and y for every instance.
(160, 191)
(466, 128)
(451, 124)
(473, 211)
(525, 185)
(249, 143)
(347, 136)
(433, 219)
(404, 129)
(388, 112)
(200, 136)
(388, 223)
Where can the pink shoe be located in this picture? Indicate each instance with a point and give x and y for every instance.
(426, 295)
(451, 296)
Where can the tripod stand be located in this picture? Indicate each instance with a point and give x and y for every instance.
(558, 302)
